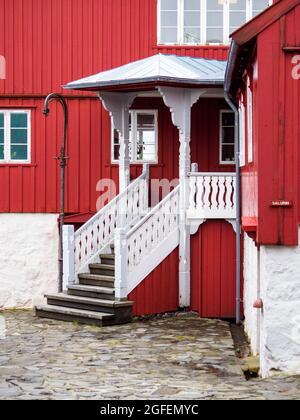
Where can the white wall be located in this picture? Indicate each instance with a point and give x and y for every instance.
(251, 293)
(29, 251)
(279, 322)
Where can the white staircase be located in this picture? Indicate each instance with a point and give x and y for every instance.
(109, 256)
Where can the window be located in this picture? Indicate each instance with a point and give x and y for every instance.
(227, 126)
(143, 137)
(200, 22)
(250, 121)
(14, 136)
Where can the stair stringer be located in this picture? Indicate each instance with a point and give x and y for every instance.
(154, 259)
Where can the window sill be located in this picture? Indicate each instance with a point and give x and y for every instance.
(190, 46)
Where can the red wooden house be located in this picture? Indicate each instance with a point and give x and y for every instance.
(158, 68)
(263, 75)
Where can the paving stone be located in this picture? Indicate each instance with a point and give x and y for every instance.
(170, 357)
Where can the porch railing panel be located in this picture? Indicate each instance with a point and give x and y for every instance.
(147, 244)
(95, 236)
(212, 196)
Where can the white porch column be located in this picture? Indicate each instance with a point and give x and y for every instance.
(180, 102)
(118, 105)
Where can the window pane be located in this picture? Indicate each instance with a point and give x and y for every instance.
(18, 136)
(168, 35)
(214, 36)
(192, 19)
(1, 120)
(168, 4)
(1, 136)
(18, 120)
(1, 152)
(237, 14)
(192, 4)
(228, 119)
(169, 19)
(168, 22)
(228, 135)
(259, 6)
(146, 137)
(228, 153)
(192, 35)
(19, 152)
(215, 13)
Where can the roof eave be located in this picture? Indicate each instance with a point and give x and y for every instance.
(136, 83)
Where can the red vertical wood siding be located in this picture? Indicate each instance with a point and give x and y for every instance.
(48, 43)
(213, 270)
(275, 173)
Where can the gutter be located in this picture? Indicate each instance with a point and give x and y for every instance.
(229, 99)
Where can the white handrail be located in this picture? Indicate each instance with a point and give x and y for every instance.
(98, 233)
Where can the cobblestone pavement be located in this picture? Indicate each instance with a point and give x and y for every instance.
(181, 357)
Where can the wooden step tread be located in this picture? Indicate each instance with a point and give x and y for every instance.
(108, 256)
(74, 312)
(99, 277)
(95, 289)
(90, 301)
(103, 266)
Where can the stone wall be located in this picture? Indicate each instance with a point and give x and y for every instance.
(29, 252)
(278, 324)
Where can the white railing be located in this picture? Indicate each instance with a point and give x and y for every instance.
(212, 196)
(146, 245)
(98, 233)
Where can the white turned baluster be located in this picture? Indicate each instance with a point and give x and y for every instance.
(222, 198)
(207, 193)
(214, 194)
(193, 193)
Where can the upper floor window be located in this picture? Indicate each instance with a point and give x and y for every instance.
(200, 22)
(227, 128)
(143, 137)
(14, 136)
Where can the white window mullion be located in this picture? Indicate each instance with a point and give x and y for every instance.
(7, 137)
(226, 20)
(249, 9)
(180, 21)
(203, 18)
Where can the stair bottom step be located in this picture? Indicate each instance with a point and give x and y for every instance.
(75, 315)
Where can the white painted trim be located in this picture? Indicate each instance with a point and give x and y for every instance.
(222, 162)
(7, 136)
(250, 121)
(157, 256)
(68, 256)
(242, 120)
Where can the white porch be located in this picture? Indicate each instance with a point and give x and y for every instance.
(143, 237)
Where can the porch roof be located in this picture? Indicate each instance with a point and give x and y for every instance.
(157, 69)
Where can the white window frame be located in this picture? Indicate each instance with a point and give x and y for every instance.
(133, 160)
(242, 132)
(7, 136)
(250, 120)
(221, 161)
(203, 21)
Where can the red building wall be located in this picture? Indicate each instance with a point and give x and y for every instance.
(275, 170)
(48, 43)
